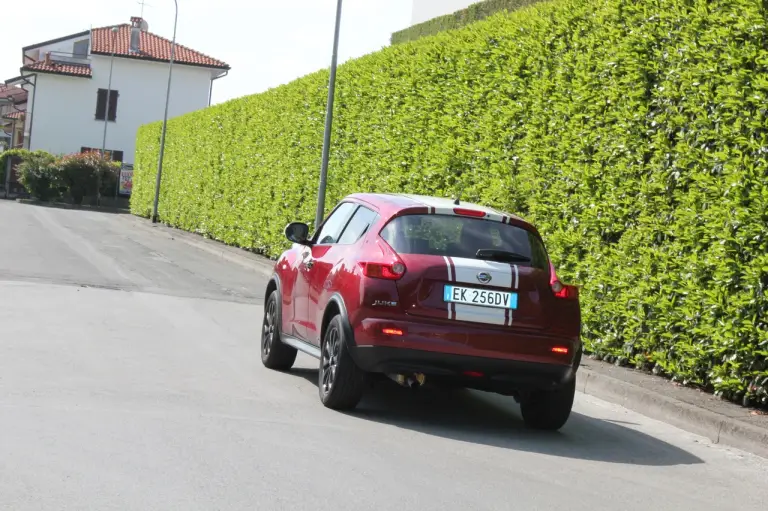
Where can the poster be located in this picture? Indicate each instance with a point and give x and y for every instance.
(126, 180)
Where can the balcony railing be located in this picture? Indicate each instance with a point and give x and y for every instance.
(70, 58)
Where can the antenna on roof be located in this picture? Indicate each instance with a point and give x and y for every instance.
(142, 3)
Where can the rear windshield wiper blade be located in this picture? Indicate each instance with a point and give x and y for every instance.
(504, 256)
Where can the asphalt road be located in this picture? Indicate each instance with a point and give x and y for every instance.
(130, 379)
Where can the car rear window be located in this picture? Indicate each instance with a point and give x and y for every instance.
(456, 236)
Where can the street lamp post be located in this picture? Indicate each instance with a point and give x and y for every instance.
(165, 117)
(106, 114)
(328, 123)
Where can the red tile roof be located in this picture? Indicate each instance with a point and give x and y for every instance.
(152, 47)
(59, 68)
(14, 115)
(10, 91)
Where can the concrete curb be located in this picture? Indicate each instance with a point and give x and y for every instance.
(243, 258)
(719, 428)
(62, 205)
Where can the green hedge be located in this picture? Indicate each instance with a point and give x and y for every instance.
(459, 19)
(633, 133)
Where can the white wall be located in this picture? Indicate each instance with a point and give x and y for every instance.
(65, 107)
(424, 10)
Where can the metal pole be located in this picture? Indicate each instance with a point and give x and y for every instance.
(328, 123)
(165, 117)
(117, 184)
(7, 183)
(106, 116)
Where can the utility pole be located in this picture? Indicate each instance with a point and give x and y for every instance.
(328, 123)
(165, 118)
(106, 115)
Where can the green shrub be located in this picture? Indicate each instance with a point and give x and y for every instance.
(459, 19)
(633, 133)
(10, 153)
(82, 173)
(38, 175)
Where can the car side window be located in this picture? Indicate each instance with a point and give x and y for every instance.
(359, 224)
(334, 225)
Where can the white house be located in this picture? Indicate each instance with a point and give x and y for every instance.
(67, 80)
(425, 10)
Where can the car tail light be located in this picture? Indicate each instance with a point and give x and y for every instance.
(562, 350)
(469, 212)
(559, 289)
(383, 271)
(387, 267)
(393, 331)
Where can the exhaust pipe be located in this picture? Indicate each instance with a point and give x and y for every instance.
(410, 381)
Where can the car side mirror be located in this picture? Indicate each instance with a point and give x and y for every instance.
(297, 232)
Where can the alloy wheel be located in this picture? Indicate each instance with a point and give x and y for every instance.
(268, 330)
(330, 359)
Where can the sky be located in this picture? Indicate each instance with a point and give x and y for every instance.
(266, 42)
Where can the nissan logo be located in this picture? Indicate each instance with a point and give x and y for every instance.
(484, 277)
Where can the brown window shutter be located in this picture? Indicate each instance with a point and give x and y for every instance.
(101, 104)
(113, 94)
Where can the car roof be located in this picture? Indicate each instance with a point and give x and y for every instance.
(393, 203)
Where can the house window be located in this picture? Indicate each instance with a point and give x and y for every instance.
(101, 104)
(109, 154)
(81, 49)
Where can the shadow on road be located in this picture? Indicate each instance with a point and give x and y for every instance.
(495, 420)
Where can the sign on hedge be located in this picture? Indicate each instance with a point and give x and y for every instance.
(126, 180)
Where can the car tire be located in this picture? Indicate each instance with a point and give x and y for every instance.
(340, 382)
(548, 410)
(274, 354)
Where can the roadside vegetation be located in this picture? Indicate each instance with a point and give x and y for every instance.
(71, 178)
(633, 133)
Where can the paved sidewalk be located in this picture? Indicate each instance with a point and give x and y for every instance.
(690, 409)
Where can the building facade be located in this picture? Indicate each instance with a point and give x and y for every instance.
(70, 99)
(13, 105)
(425, 10)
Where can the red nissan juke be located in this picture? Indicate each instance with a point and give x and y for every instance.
(426, 290)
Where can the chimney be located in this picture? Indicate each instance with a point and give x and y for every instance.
(138, 25)
(138, 21)
(47, 58)
(135, 34)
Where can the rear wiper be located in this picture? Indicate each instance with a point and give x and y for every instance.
(504, 256)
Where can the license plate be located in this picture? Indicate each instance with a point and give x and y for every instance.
(481, 297)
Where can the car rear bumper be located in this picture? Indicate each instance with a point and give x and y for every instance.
(470, 341)
(491, 374)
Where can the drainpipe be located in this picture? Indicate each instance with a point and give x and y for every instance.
(210, 91)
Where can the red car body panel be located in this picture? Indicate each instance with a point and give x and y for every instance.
(544, 329)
